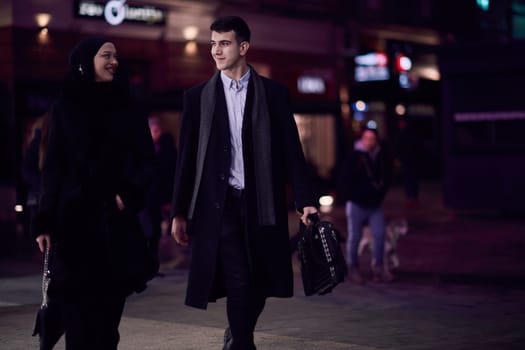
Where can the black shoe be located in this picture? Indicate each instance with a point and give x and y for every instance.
(228, 339)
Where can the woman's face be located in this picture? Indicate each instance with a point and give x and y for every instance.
(105, 63)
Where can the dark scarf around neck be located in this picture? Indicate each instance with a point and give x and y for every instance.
(260, 130)
(96, 96)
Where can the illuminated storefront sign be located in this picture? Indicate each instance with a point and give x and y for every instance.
(116, 12)
(371, 67)
(311, 85)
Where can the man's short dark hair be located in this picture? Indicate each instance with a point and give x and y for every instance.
(229, 23)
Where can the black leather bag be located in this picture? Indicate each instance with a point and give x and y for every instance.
(323, 264)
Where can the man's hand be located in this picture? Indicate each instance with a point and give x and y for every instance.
(178, 230)
(43, 242)
(307, 211)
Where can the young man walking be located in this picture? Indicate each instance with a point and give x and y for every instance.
(239, 148)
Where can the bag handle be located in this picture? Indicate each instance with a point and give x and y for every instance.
(314, 218)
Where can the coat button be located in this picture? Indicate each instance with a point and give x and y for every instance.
(217, 205)
(222, 177)
(225, 148)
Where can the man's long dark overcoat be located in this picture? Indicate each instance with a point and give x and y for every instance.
(268, 247)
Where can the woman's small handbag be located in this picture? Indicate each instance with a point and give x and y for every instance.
(49, 324)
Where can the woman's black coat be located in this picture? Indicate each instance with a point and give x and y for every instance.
(98, 147)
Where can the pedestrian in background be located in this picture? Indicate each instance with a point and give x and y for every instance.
(158, 195)
(32, 163)
(365, 178)
(95, 172)
(239, 148)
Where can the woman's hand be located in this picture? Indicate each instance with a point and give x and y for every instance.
(43, 242)
(120, 203)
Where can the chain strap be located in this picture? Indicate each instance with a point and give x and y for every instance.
(45, 278)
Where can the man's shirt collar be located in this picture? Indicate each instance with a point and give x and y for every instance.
(235, 85)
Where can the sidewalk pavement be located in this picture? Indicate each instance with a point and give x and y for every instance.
(459, 286)
(402, 315)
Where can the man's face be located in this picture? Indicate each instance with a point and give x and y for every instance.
(226, 51)
(369, 140)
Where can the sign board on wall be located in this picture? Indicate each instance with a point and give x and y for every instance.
(311, 85)
(116, 12)
(371, 67)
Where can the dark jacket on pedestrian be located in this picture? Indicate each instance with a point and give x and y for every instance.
(161, 188)
(365, 177)
(30, 170)
(98, 148)
(267, 239)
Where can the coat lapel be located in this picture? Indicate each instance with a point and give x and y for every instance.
(261, 140)
(207, 109)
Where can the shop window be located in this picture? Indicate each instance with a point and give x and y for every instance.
(317, 134)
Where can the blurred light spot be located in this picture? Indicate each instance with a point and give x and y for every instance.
(404, 82)
(403, 63)
(360, 106)
(19, 208)
(190, 48)
(42, 19)
(345, 109)
(401, 109)
(190, 32)
(344, 96)
(483, 4)
(431, 73)
(326, 200)
(311, 85)
(371, 124)
(43, 36)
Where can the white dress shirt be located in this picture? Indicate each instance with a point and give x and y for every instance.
(235, 93)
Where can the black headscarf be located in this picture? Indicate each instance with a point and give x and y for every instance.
(82, 55)
(79, 82)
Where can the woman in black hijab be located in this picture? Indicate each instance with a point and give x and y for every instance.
(97, 166)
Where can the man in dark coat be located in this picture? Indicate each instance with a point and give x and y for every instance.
(239, 148)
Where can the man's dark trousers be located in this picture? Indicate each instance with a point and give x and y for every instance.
(244, 304)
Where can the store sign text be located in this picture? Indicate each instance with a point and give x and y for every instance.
(117, 11)
(311, 85)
